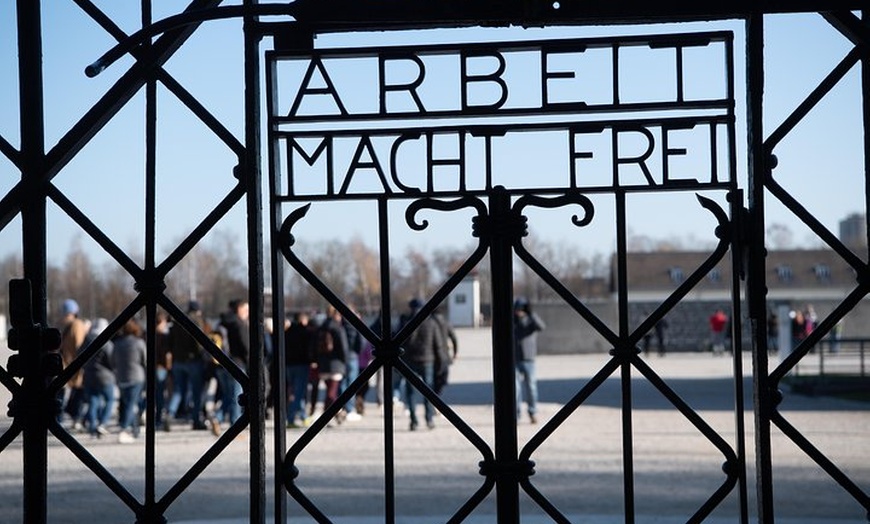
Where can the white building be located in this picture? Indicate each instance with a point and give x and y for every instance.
(463, 304)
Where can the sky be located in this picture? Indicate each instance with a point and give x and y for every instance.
(820, 163)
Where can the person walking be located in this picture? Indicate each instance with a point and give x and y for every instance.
(330, 346)
(188, 371)
(164, 365)
(73, 333)
(718, 322)
(526, 327)
(298, 361)
(351, 363)
(661, 330)
(772, 332)
(422, 349)
(213, 404)
(235, 322)
(128, 361)
(449, 352)
(99, 382)
(798, 328)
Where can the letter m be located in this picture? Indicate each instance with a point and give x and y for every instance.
(293, 146)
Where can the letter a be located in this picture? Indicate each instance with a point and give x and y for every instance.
(364, 146)
(305, 89)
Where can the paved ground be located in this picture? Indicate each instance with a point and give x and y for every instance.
(579, 468)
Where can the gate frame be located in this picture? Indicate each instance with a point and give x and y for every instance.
(30, 196)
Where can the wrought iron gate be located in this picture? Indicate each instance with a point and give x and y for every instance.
(299, 137)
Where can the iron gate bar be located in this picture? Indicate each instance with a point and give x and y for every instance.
(788, 364)
(731, 466)
(11, 433)
(755, 270)
(33, 222)
(388, 352)
(88, 125)
(350, 15)
(149, 282)
(93, 231)
(10, 152)
(187, 18)
(738, 253)
(64, 436)
(824, 327)
(92, 463)
(217, 213)
(823, 461)
(381, 350)
(279, 315)
(859, 266)
(846, 23)
(865, 100)
(252, 177)
(166, 79)
(804, 108)
(622, 352)
(506, 229)
(9, 382)
(551, 425)
(129, 311)
(149, 513)
(850, 26)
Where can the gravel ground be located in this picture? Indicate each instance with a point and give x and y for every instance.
(579, 468)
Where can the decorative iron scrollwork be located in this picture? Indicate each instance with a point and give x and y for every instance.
(560, 201)
(439, 205)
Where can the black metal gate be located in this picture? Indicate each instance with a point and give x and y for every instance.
(304, 136)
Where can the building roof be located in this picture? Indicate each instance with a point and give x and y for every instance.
(790, 273)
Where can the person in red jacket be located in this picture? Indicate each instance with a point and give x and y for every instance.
(718, 321)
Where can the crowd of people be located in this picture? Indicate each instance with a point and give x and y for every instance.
(191, 385)
(333, 352)
(323, 355)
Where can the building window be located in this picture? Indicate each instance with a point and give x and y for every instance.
(784, 273)
(714, 275)
(676, 274)
(822, 272)
(459, 298)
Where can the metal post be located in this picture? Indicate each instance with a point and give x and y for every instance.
(503, 356)
(251, 179)
(33, 219)
(735, 198)
(756, 289)
(278, 313)
(865, 106)
(625, 355)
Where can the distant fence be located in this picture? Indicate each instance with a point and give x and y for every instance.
(688, 326)
(841, 357)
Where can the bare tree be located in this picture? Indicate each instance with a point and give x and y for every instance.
(77, 279)
(116, 291)
(410, 277)
(213, 273)
(367, 280)
(332, 262)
